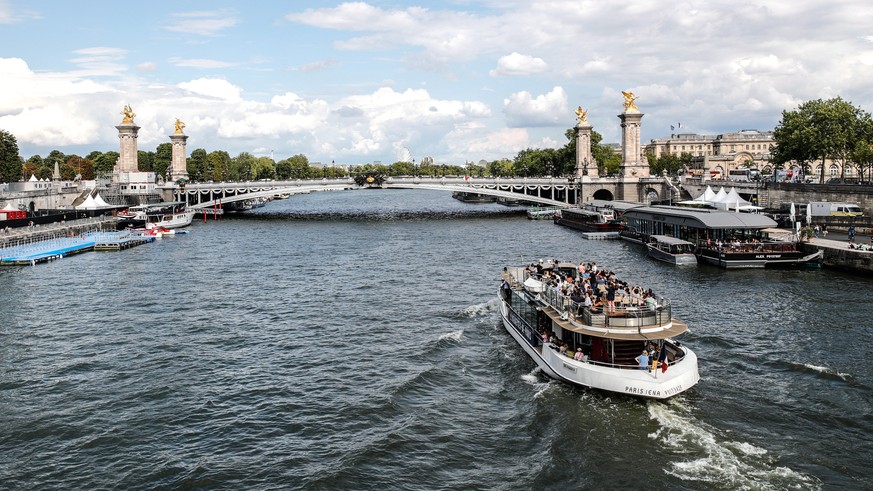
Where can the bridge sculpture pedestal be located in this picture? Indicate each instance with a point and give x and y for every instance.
(585, 163)
(179, 166)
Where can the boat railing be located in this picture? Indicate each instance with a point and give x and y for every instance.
(677, 357)
(630, 310)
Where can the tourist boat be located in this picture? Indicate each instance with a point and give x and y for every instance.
(756, 254)
(671, 250)
(726, 239)
(610, 341)
(542, 213)
(169, 215)
(468, 197)
(589, 220)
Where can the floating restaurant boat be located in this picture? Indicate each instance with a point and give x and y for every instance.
(589, 220)
(722, 238)
(671, 250)
(609, 343)
(170, 215)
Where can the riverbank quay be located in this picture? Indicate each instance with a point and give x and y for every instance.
(38, 233)
(838, 255)
(33, 253)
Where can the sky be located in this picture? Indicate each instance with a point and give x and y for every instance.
(455, 80)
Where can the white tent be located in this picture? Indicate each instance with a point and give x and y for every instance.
(9, 207)
(100, 203)
(88, 204)
(703, 199)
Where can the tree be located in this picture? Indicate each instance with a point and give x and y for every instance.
(219, 162)
(105, 162)
(10, 161)
(163, 158)
(198, 166)
(819, 130)
(263, 168)
(241, 167)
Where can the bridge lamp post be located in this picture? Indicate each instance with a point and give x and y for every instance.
(414, 169)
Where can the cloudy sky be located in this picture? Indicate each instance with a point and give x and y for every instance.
(457, 80)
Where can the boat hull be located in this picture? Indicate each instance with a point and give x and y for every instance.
(737, 260)
(639, 383)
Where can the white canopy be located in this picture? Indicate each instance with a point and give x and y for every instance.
(9, 207)
(88, 204)
(100, 203)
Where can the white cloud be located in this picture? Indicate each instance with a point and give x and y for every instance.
(202, 23)
(201, 63)
(524, 110)
(213, 87)
(518, 64)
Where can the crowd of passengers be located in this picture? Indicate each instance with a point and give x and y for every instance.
(653, 355)
(751, 245)
(593, 289)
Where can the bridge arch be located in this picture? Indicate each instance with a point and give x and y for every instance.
(604, 194)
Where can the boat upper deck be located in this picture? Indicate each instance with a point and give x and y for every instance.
(633, 316)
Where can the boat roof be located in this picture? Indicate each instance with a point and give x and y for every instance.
(701, 218)
(666, 239)
(580, 211)
(674, 328)
(618, 205)
(157, 205)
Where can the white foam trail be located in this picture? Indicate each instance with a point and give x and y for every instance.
(826, 370)
(730, 464)
(454, 335)
(482, 309)
(533, 379)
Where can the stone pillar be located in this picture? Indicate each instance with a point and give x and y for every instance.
(633, 163)
(128, 158)
(585, 164)
(179, 166)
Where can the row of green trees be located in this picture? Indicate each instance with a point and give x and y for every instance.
(821, 130)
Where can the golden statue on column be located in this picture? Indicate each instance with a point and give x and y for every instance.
(630, 105)
(179, 126)
(581, 115)
(128, 115)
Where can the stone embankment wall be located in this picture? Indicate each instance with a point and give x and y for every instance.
(843, 259)
(786, 193)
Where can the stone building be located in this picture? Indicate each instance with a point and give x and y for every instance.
(713, 156)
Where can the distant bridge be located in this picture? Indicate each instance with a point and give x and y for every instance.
(545, 191)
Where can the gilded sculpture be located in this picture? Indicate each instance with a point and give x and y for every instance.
(630, 105)
(128, 115)
(179, 126)
(581, 115)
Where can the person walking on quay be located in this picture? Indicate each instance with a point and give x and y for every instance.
(851, 233)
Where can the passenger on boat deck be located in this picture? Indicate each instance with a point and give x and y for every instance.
(553, 339)
(643, 360)
(651, 304)
(564, 348)
(578, 355)
(545, 337)
(610, 297)
(588, 302)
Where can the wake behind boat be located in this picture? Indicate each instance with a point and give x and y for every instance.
(597, 346)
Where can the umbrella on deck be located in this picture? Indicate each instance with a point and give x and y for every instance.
(791, 214)
(808, 214)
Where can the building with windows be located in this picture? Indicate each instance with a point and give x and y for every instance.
(715, 155)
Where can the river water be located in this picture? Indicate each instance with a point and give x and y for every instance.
(352, 341)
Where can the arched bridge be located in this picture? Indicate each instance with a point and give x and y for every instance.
(545, 191)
